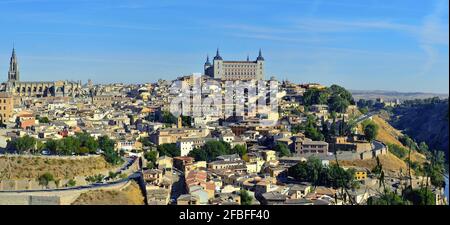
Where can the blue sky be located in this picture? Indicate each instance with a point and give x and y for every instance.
(373, 44)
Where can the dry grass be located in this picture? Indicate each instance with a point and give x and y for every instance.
(131, 195)
(386, 133)
(21, 167)
(391, 164)
(389, 135)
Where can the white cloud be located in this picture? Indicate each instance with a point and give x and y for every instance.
(332, 26)
(434, 32)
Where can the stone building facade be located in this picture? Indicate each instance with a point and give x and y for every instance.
(6, 107)
(235, 70)
(37, 88)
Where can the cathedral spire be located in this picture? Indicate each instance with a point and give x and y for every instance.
(260, 57)
(248, 58)
(13, 72)
(217, 57)
(207, 63)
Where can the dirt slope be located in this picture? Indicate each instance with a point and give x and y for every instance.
(391, 164)
(389, 135)
(131, 195)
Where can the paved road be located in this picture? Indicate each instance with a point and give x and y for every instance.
(178, 186)
(365, 116)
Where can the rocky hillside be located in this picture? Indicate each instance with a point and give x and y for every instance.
(424, 121)
(391, 163)
(389, 135)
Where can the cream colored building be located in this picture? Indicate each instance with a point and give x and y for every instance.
(172, 135)
(235, 70)
(6, 107)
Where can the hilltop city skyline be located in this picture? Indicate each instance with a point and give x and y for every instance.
(226, 102)
(397, 46)
(126, 81)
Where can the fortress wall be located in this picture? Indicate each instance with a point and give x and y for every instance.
(57, 197)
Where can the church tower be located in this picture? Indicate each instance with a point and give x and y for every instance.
(260, 66)
(218, 65)
(208, 67)
(13, 73)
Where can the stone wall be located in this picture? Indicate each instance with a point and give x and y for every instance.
(55, 196)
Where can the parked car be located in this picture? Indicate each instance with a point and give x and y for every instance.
(46, 152)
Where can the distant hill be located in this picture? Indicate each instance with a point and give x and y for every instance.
(392, 95)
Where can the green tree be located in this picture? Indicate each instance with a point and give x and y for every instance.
(71, 183)
(341, 92)
(397, 150)
(198, 154)
(421, 196)
(44, 120)
(95, 178)
(112, 157)
(25, 144)
(112, 175)
(167, 117)
(83, 150)
(246, 198)
(239, 149)
(105, 143)
(364, 110)
(282, 149)
(170, 150)
(186, 121)
(52, 146)
(150, 165)
(215, 149)
(315, 96)
(300, 171)
(297, 128)
(313, 171)
(387, 198)
(336, 103)
(88, 141)
(39, 146)
(145, 141)
(341, 178)
(435, 169)
(210, 151)
(151, 156)
(312, 130)
(423, 147)
(370, 131)
(45, 179)
(70, 145)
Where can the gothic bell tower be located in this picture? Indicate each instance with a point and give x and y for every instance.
(13, 72)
